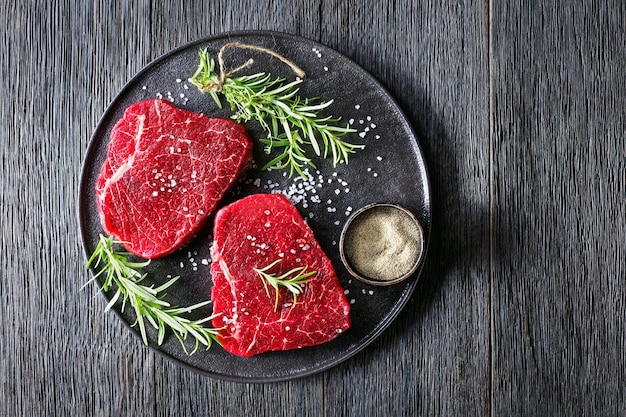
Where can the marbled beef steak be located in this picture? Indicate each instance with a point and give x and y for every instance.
(252, 233)
(165, 171)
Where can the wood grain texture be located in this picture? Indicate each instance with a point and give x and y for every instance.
(559, 215)
(519, 108)
(432, 57)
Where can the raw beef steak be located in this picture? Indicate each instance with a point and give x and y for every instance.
(165, 171)
(253, 233)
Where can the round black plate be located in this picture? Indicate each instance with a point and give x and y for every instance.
(390, 169)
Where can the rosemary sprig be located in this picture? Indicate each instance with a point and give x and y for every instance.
(146, 301)
(292, 280)
(290, 122)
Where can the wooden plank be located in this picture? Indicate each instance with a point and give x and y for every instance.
(559, 83)
(432, 57)
(60, 67)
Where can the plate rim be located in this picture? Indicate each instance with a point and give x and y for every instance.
(406, 294)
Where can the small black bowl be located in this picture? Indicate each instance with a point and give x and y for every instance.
(383, 208)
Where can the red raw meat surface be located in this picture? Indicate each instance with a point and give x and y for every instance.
(165, 171)
(252, 233)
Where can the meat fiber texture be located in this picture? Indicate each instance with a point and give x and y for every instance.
(252, 233)
(164, 174)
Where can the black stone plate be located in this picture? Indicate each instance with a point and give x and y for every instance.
(390, 169)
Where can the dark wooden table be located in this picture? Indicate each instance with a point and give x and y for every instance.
(521, 309)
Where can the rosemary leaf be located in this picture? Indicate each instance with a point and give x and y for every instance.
(147, 302)
(291, 280)
(290, 122)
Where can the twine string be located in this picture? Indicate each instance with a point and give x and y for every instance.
(219, 83)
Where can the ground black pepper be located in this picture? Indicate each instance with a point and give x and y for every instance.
(383, 243)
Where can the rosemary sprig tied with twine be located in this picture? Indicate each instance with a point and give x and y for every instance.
(290, 122)
(147, 302)
(292, 280)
